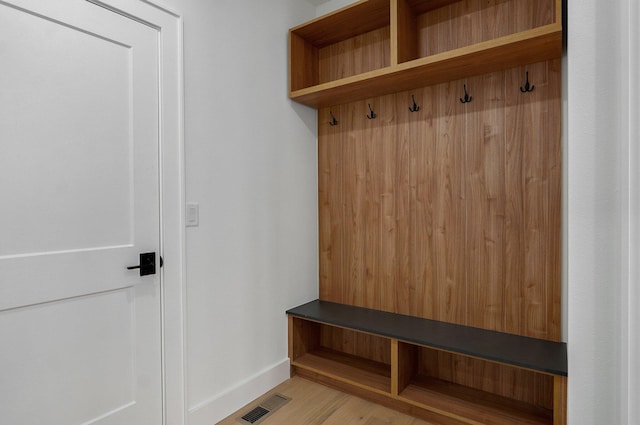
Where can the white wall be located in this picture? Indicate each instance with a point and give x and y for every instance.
(602, 189)
(251, 165)
(326, 6)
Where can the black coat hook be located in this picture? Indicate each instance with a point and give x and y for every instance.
(415, 107)
(372, 114)
(333, 121)
(527, 87)
(466, 98)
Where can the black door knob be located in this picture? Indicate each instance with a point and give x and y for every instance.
(147, 264)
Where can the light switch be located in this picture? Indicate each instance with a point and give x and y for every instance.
(193, 214)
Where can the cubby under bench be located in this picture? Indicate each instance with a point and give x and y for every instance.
(434, 370)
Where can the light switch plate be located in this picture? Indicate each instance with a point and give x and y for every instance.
(193, 214)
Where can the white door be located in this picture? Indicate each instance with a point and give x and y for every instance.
(79, 201)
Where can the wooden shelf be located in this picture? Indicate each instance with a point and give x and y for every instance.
(409, 61)
(354, 40)
(350, 369)
(469, 404)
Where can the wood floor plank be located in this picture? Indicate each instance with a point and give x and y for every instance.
(316, 404)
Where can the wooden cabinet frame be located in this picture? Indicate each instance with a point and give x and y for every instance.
(384, 36)
(382, 50)
(390, 370)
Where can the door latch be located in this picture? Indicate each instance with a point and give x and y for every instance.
(147, 264)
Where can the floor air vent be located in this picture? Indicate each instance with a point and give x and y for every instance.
(265, 408)
(255, 415)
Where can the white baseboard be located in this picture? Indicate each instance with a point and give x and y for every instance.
(222, 405)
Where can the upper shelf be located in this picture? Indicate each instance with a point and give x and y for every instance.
(376, 47)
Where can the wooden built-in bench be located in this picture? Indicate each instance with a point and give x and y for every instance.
(394, 371)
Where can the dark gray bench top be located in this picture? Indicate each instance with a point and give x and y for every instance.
(531, 353)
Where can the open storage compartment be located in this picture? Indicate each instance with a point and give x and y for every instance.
(376, 47)
(352, 357)
(444, 381)
(351, 41)
(427, 27)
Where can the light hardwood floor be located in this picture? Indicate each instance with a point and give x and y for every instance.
(315, 404)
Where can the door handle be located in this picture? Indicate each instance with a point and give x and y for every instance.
(147, 264)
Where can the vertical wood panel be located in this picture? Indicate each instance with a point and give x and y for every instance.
(356, 55)
(304, 336)
(514, 307)
(560, 400)
(407, 364)
(383, 194)
(448, 193)
(485, 201)
(438, 216)
(303, 52)
(534, 204)
(354, 174)
(402, 213)
(330, 202)
(406, 32)
(420, 132)
(375, 185)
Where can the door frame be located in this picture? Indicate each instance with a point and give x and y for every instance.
(169, 25)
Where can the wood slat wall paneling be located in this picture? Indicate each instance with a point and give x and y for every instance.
(515, 237)
(452, 212)
(534, 202)
(437, 288)
(331, 198)
(354, 176)
(485, 175)
(447, 194)
(405, 130)
(404, 125)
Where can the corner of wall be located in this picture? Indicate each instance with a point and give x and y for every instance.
(224, 404)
